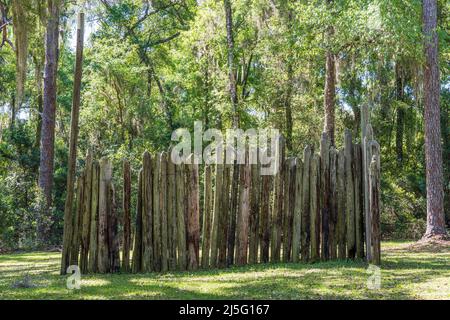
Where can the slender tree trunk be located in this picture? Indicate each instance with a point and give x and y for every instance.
(231, 66)
(400, 113)
(433, 150)
(73, 141)
(330, 87)
(48, 115)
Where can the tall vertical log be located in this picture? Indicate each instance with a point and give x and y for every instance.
(341, 198)
(207, 217)
(216, 215)
(332, 240)
(254, 213)
(325, 199)
(367, 137)
(147, 213)
(231, 237)
(298, 209)
(77, 220)
(305, 221)
(181, 223)
(157, 251)
(374, 190)
(359, 219)
(113, 234)
(314, 185)
(171, 215)
(86, 218)
(289, 198)
(103, 248)
(244, 214)
(277, 207)
(264, 230)
(193, 214)
(350, 198)
(126, 216)
(93, 241)
(224, 217)
(137, 263)
(163, 212)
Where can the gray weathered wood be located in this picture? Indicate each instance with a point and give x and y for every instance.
(350, 197)
(77, 220)
(163, 213)
(126, 207)
(324, 194)
(193, 214)
(234, 197)
(242, 225)
(93, 234)
(298, 209)
(254, 213)
(207, 216)
(103, 248)
(374, 190)
(157, 251)
(359, 218)
(289, 198)
(224, 217)
(147, 213)
(113, 234)
(181, 222)
(217, 214)
(332, 240)
(171, 214)
(136, 263)
(314, 185)
(277, 207)
(86, 218)
(305, 221)
(264, 230)
(341, 198)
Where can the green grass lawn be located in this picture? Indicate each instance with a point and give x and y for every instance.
(406, 273)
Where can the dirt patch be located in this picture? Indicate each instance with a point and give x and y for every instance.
(435, 245)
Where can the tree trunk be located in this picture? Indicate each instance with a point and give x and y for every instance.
(48, 115)
(126, 216)
(71, 164)
(400, 126)
(433, 151)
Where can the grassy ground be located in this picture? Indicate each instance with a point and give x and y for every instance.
(407, 272)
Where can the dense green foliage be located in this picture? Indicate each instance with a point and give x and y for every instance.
(152, 67)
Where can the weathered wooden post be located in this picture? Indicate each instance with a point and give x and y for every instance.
(86, 218)
(137, 263)
(193, 214)
(93, 241)
(374, 190)
(332, 235)
(350, 197)
(298, 209)
(254, 213)
(77, 221)
(243, 214)
(207, 217)
(224, 217)
(113, 236)
(277, 207)
(264, 230)
(103, 248)
(314, 185)
(231, 236)
(157, 251)
(341, 198)
(147, 213)
(217, 214)
(171, 214)
(289, 198)
(126, 216)
(181, 222)
(305, 221)
(359, 218)
(325, 194)
(163, 213)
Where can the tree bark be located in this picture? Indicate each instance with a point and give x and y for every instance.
(48, 115)
(71, 164)
(433, 149)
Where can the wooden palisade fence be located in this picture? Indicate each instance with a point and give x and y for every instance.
(324, 204)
